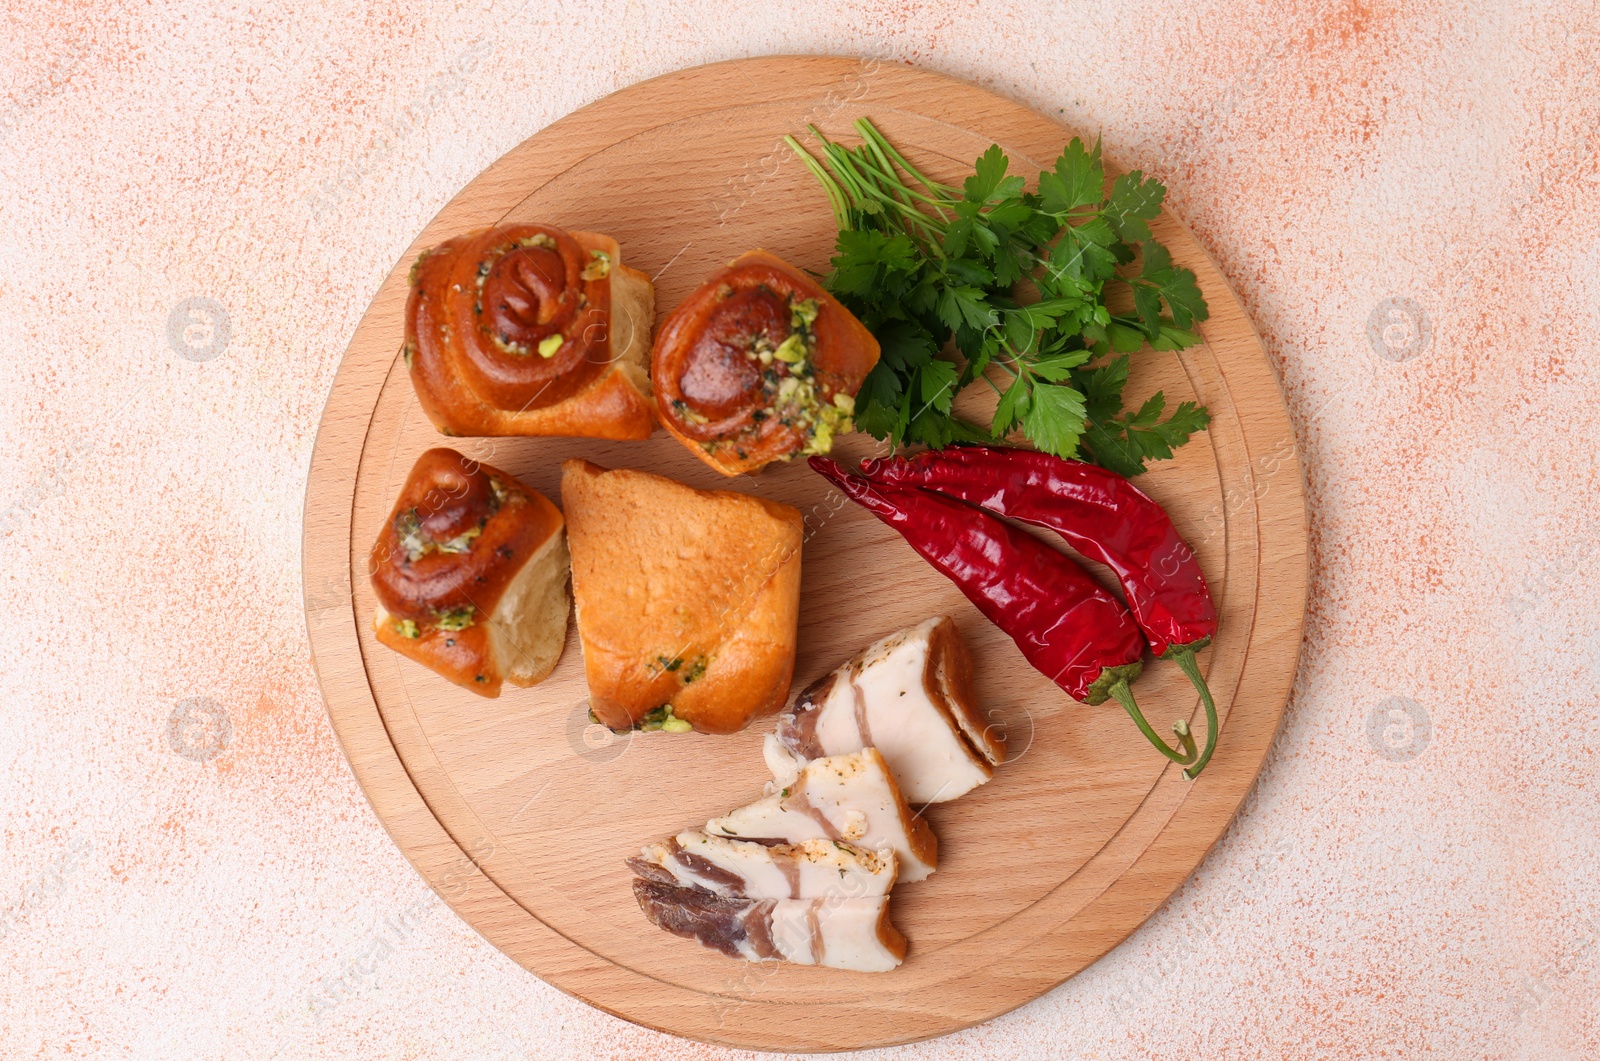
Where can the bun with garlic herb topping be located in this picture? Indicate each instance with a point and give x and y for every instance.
(759, 364)
(470, 572)
(531, 330)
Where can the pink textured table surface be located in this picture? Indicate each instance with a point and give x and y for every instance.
(197, 205)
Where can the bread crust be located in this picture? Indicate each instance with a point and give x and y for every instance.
(509, 581)
(602, 388)
(684, 597)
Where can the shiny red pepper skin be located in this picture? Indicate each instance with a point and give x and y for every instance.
(1066, 624)
(1097, 512)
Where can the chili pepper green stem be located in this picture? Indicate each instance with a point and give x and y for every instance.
(1123, 695)
(1183, 656)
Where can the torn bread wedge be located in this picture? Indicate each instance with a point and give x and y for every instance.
(839, 933)
(910, 696)
(851, 798)
(810, 869)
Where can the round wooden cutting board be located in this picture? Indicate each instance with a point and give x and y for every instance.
(520, 813)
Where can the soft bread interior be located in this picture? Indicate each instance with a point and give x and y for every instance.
(633, 313)
(529, 626)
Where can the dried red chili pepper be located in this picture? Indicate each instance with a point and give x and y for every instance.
(1104, 517)
(1066, 624)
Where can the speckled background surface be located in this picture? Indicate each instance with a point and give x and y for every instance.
(196, 206)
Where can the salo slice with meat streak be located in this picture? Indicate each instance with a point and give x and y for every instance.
(850, 934)
(810, 869)
(910, 696)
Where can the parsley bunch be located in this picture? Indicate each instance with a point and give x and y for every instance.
(1013, 279)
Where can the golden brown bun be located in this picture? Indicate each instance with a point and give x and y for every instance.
(723, 390)
(481, 304)
(508, 584)
(684, 597)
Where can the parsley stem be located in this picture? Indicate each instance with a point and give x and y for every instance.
(865, 181)
(836, 199)
(908, 216)
(1131, 322)
(937, 204)
(886, 168)
(866, 194)
(888, 182)
(869, 132)
(865, 189)
(842, 170)
(1012, 356)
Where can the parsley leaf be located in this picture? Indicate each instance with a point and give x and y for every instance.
(866, 260)
(1014, 404)
(1123, 444)
(1078, 180)
(937, 385)
(988, 181)
(965, 305)
(1102, 388)
(878, 403)
(1055, 419)
(904, 346)
(1057, 368)
(1134, 201)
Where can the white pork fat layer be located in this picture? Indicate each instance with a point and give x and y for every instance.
(852, 798)
(837, 933)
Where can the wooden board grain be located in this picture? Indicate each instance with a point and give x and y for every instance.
(519, 813)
